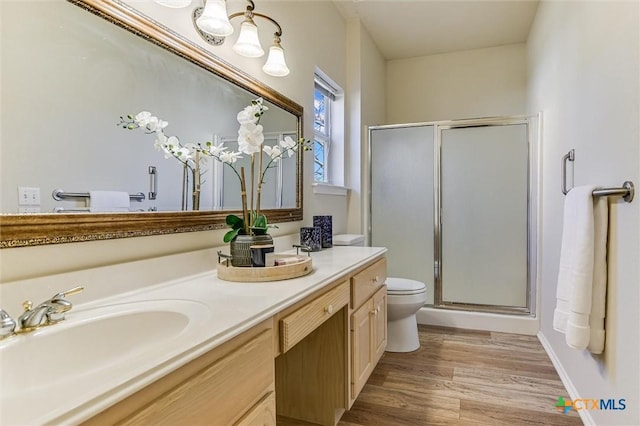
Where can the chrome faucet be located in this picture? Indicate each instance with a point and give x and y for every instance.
(49, 312)
(7, 325)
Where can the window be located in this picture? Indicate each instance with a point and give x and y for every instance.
(325, 118)
(321, 134)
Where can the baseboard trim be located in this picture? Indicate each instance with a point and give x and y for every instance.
(479, 321)
(566, 380)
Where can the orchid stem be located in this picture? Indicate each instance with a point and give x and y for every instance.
(253, 174)
(243, 193)
(259, 182)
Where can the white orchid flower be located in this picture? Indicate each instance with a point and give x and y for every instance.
(193, 149)
(230, 157)
(251, 113)
(289, 145)
(215, 149)
(142, 118)
(274, 152)
(247, 115)
(171, 146)
(161, 140)
(163, 145)
(155, 124)
(182, 153)
(250, 138)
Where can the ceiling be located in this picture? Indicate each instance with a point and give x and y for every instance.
(405, 29)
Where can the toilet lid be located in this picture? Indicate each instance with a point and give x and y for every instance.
(400, 286)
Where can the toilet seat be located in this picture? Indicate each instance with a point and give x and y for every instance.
(404, 287)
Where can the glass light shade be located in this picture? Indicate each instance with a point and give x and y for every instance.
(214, 19)
(174, 3)
(275, 64)
(248, 43)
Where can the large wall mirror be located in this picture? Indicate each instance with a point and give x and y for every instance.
(70, 70)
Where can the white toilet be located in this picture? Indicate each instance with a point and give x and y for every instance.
(404, 298)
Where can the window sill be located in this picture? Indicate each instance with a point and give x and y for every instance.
(328, 189)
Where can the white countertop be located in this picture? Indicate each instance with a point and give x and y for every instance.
(231, 309)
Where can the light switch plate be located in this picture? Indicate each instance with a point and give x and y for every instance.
(28, 196)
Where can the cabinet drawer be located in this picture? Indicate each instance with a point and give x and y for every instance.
(299, 324)
(221, 393)
(263, 414)
(366, 282)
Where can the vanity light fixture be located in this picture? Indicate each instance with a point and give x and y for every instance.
(213, 24)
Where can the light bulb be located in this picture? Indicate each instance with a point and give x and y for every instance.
(214, 19)
(275, 65)
(248, 43)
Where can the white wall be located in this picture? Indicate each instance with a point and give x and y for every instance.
(306, 45)
(584, 76)
(468, 84)
(366, 73)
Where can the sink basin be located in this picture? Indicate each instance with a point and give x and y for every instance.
(91, 343)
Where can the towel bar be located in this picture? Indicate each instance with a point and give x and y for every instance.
(59, 194)
(627, 191)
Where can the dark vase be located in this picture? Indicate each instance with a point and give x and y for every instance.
(240, 247)
(311, 237)
(325, 223)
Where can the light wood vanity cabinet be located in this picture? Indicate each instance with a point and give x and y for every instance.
(308, 362)
(368, 324)
(232, 384)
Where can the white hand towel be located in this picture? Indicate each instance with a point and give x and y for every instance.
(109, 201)
(577, 296)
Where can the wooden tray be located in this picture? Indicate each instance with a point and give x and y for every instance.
(268, 273)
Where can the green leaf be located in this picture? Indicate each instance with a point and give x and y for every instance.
(230, 235)
(235, 222)
(260, 222)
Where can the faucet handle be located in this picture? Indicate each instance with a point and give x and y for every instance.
(70, 292)
(7, 325)
(27, 305)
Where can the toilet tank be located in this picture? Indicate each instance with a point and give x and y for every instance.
(348, 240)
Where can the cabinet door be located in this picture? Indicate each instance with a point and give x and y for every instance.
(379, 324)
(361, 345)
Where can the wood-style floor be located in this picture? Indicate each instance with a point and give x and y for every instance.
(463, 377)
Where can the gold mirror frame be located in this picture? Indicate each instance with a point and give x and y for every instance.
(38, 229)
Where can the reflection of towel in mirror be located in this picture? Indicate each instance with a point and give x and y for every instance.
(109, 201)
(582, 276)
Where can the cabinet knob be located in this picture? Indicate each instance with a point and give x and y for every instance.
(376, 279)
(329, 309)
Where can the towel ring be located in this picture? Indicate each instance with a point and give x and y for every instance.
(627, 191)
(569, 156)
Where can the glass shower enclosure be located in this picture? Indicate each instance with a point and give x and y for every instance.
(450, 200)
